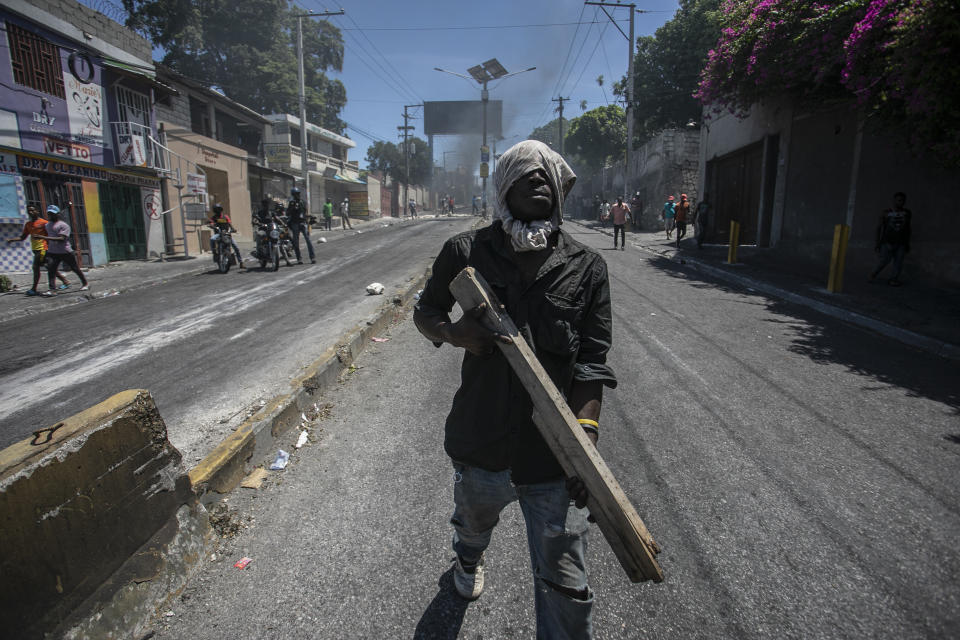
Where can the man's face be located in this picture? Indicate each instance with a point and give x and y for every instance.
(899, 201)
(530, 197)
(33, 213)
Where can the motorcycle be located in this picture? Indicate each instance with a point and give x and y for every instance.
(267, 248)
(223, 255)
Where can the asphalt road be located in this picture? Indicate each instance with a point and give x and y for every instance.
(799, 474)
(209, 346)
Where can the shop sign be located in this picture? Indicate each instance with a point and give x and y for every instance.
(279, 154)
(196, 184)
(8, 163)
(152, 204)
(85, 109)
(73, 150)
(359, 205)
(84, 172)
(209, 156)
(132, 153)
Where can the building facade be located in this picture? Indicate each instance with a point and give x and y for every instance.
(332, 174)
(77, 129)
(216, 143)
(790, 176)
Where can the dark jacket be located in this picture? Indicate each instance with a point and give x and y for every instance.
(565, 317)
(296, 212)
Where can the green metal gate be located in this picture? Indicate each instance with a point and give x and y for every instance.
(123, 224)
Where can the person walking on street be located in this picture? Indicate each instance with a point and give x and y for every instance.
(636, 210)
(345, 214)
(604, 212)
(476, 204)
(620, 213)
(412, 206)
(328, 215)
(669, 216)
(35, 228)
(701, 219)
(681, 212)
(297, 223)
(893, 238)
(59, 250)
(498, 454)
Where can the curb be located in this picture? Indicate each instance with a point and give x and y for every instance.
(910, 338)
(256, 438)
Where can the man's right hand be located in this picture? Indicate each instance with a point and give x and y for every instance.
(469, 333)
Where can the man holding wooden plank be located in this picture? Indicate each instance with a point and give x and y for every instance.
(556, 290)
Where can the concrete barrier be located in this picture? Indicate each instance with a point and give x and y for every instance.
(89, 509)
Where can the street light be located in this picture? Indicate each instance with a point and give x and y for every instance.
(483, 73)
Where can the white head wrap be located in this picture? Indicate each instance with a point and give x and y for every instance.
(516, 162)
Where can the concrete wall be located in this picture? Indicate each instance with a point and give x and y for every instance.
(72, 19)
(75, 508)
(831, 168)
(666, 165)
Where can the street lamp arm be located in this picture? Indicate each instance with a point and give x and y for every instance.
(516, 73)
(454, 73)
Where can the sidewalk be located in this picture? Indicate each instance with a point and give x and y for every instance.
(917, 314)
(116, 277)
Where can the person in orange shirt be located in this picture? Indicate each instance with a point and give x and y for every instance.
(36, 228)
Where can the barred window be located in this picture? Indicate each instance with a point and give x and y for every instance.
(35, 61)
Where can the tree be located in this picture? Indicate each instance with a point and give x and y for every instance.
(895, 59)
(248, 50)
(596, 137)
(387, 158)
(549, 133)
(666, 69)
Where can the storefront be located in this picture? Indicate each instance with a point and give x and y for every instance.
(113, 214)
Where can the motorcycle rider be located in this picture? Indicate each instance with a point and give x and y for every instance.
(219, 220)
(297, 223)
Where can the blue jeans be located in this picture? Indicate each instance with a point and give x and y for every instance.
(296, 228)
(556, 536)
(236, 249)
(888, 252)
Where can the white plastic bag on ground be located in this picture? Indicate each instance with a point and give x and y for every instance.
(374, 289)
(282, 458)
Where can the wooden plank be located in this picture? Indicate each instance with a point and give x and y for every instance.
(609, 505)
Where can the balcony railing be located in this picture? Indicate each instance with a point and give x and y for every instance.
(136, 147)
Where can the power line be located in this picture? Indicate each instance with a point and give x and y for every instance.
(478, 27)
(387, 60)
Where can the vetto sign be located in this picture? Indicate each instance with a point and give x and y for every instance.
(67, 149)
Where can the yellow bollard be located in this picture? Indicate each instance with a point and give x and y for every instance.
(734, 242)
(838, 257)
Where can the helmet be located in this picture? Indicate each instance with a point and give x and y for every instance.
(294, 191)
(218, 208)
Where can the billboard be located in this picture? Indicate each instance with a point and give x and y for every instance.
(462, 117)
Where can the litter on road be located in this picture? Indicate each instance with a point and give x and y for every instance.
(242, 562)
(281, 462)
(379, 339)
(254, 479)
(302, 440)
(374, 289)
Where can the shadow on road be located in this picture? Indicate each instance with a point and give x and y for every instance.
(814, 336)
(444, 616)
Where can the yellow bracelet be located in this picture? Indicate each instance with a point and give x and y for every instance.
(592, 423)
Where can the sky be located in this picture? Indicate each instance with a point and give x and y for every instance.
(392, 47)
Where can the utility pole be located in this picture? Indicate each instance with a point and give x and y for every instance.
(406, 153)
(303, 101)
(629, 110)
(561, 100)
